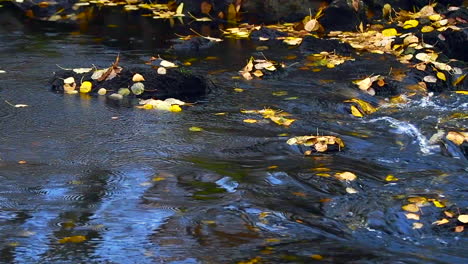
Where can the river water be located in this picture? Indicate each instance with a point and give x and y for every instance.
(142, 188)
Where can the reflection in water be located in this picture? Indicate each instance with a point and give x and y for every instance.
(142, 188)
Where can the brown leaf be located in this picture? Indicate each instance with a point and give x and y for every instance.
(459, 229)
(205, 7)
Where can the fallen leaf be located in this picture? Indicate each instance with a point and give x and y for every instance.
(456, 137)
(389, 32)
(345, 176)
(391, 178)
(250, 121)
(441, 76)
(427, 29)
(417, 225)
(351, 190)
(138, 78)
(430, 79)
(441, 222)
(102, 91)
(195, 129)
(410, 208)
(438, 204)
(69, 80)
(86, 87)
(355, 111)
(463, 218)
(72, 239)
(459, 229)
(412, 216)
(410, 24)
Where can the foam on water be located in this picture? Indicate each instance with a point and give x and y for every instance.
(402, 127)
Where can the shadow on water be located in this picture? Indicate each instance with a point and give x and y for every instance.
(142, 188)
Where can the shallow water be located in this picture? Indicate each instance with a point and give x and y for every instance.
(143, 188)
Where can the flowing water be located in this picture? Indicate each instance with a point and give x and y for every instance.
(142, 188)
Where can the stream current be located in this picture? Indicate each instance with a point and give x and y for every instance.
(142, 188)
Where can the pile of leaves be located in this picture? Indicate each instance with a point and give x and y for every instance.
(318, 143)
(169, 104)
(326, 59)
(278, 117)
(259, 68)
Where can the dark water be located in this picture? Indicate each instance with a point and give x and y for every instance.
(143, 188)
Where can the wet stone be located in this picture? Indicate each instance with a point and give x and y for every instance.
(175, 83)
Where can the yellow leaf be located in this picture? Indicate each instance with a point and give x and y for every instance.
(441, 222)
(438, 204)
(156, 179)
(412, 208)
(179, 9)
(417, 225)
(195, 129)
(102, 91)
(316, 257)
(346, 176)
(441, 76)
(463, 218)
(456, 137)
(365, 106)
(86, 87)
(355, 111)
(390, 178)
(389, 32)
(459, 80)
(148, 106)
(138, 78)
(412, 216)
(238, 90)
(250, 121)
(231, 13)
(410, 24)
(427, 29)
(175, 108)
(462, 92)
(72, 239)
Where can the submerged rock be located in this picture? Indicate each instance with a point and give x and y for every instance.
(175, 83)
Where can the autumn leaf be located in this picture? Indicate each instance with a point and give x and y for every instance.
(72, 239)
(345, 176)
(410, 208)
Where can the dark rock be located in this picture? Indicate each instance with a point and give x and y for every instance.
(316, 45)
(340, 15)
(269, 33)
(193, 44)
(175, 83)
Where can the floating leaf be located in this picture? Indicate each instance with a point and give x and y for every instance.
(250, 121)
(459, 229)
(391, 178)
(195, 129)
(412, 216)
(417, 225)
(312, 25)
(345, 176)
(410, 208)
(438, 204)
(459, 80)
(456, 137)
(351, 190)
(72, 239)
(441, 222)
(355, 111)
(463, 218)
